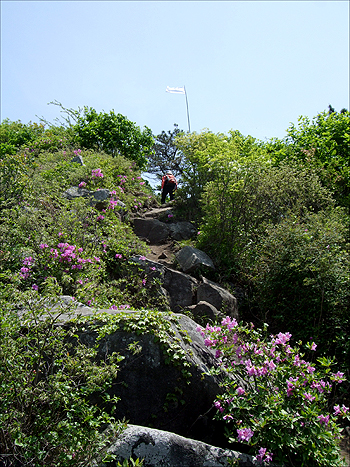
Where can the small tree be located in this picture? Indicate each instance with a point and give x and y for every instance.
(166, 155)
(114, 134)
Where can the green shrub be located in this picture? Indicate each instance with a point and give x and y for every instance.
(47, 379)
(322, 143)
(14, 179)
(113, 134)
(246, 198)
(300, 276)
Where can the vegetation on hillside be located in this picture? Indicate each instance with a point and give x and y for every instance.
(272, 215)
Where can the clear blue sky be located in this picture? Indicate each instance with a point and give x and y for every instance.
(248, 66)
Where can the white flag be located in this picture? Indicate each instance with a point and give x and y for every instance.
(176, 90)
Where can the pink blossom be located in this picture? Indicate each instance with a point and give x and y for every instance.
(28, 261)
(324, 419)
(229, 323)
(264, 456)
(227, 417)
(96, 173)
(25, 273)
(309, 396)
(283, 338)
(338, 377)
(244, 434)
(218, 406)
(340, 410)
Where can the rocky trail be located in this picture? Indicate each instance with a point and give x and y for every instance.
(163, 253)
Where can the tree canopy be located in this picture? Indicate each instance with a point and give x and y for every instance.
(114, 134)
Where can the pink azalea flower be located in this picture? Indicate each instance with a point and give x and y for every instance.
(244, 434)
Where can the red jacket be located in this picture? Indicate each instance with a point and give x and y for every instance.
(169, 179)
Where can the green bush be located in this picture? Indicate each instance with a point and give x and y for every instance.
(15, 170)
(31, 138)
(113, 134)
(300, 276)
(47, 380)
(204, 156)
(322, 143)
(246, 198)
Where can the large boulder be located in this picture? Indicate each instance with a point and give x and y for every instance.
(100, 195)
(205, 310)
(191, 258)
(180, 287)
(165, 386)
(217, 296)
(156, 231)
(161, 448)
(151, 229)
(76, 192)
(182, 230)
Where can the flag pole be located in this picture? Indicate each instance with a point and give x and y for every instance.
(188, 116)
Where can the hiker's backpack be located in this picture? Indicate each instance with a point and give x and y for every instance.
(170, 179)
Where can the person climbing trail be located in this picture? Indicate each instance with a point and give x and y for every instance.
(169, 186)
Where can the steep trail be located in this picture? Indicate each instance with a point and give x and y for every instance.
(163, 252)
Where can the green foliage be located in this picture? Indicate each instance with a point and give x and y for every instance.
(14, 179)
(113, 134)
(166, 156)
(14, 135)
(274, 400)
(161, 325)
(300, 275)
(76, 241)
(247, 197)
(31, 138)
(203, 157)
(47, 379)
(131, 463)
(323, 143)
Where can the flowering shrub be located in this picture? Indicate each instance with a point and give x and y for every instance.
(67, 263)
(274, 400)
(97, 173)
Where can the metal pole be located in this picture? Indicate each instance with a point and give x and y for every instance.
(188, 116)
